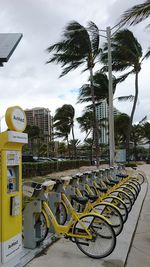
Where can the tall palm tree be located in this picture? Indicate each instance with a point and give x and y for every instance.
(136, 14)
(79, 46)
(126, 54)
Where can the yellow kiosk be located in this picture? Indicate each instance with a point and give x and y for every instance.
(11, 142)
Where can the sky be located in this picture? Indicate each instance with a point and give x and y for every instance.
(27, 81)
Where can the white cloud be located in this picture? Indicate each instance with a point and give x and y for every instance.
(27, 81)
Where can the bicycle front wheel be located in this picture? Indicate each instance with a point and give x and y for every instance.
(41, 226)
(61, 213)
(103, 239)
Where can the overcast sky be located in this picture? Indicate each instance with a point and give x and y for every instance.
(26, 80)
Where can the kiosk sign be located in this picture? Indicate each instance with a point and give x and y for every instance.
(16, 119)
(11, 142)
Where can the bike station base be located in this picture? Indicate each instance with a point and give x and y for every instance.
(65, 253)
(28, 254)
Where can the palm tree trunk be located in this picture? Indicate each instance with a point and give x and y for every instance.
(68, 146)
(132, 115)
(95, 127)
(75, 150)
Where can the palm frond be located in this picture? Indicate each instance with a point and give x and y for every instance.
(123, 77)
(125, 51)
(143, 120)
(147, 55)
(94, 37)
(126, 98)
(136, 14)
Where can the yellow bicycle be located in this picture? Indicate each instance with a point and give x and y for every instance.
(91, 232)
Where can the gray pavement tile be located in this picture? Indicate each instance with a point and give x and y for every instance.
(137, 258)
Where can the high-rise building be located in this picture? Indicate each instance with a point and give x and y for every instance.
(42, 118)
(102, 113)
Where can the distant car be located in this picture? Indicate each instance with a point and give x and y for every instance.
(28, 158)
(45, 159)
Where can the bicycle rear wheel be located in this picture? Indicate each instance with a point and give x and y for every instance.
(112, 213)
(103, 239)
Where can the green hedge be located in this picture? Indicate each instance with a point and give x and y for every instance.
(131, 164)
(32, 169)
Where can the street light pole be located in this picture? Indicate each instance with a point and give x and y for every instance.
(0, 122)
(111, 109)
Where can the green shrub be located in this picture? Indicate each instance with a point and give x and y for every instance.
(32, 169)
(131, 164)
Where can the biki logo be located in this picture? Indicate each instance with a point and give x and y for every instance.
(17, 118)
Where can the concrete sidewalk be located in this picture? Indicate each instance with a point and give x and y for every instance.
(64, 253)
(139, 254)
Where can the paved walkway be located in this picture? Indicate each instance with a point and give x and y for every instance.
(139, 255)
(64, 253)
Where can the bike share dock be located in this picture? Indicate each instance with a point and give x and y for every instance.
(64, 253)
(17, 253)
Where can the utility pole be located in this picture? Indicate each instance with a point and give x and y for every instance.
(111, 109)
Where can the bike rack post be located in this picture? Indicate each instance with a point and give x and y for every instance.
(31, 234)
(53, 199)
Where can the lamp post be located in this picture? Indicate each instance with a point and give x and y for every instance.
(0, 121)
(111, 109)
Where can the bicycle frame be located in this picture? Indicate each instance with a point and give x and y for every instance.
(67, 230)
(90, 205)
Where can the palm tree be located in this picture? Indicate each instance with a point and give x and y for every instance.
(121, 123)
(88, 147)
(100, 86)
(126, 53)
(146, 129)
(79, 46)
(64, 121)
(62, 131)
(86, 122)
(34, 134)
(136, 14)
(136, 137)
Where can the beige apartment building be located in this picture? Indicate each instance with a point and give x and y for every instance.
(42, 118)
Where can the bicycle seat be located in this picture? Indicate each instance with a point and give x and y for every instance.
(48, 184)
(92, 197)
(114, 181)
(81, 200)
(66, 180)
(109, 183)
(103, 189)
(87, 172)
(36, 185)
(79, 174)
(122, 175)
